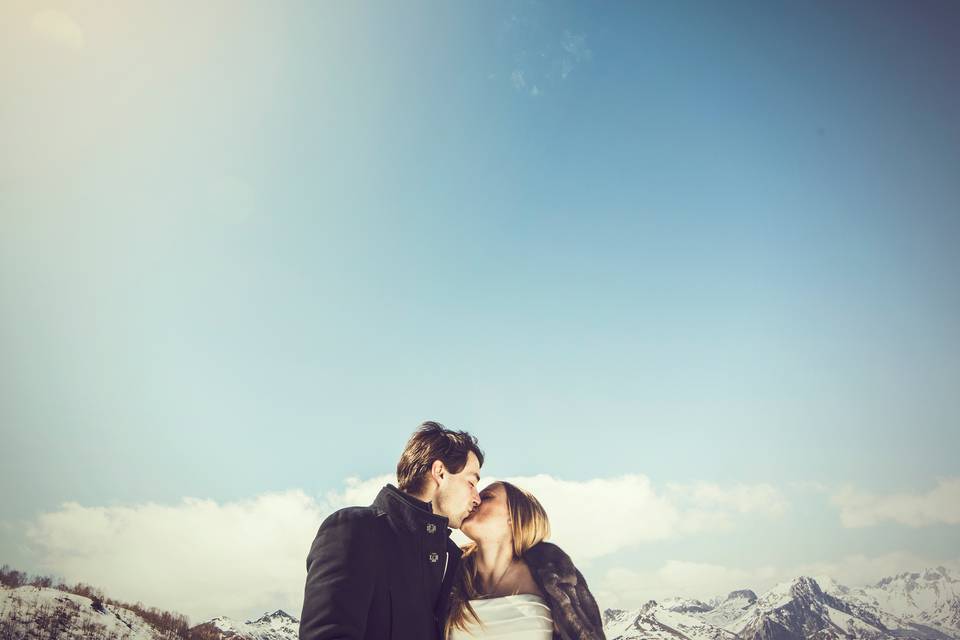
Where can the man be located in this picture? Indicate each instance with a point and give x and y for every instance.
(385, 571)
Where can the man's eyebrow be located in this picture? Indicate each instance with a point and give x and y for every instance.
(476, 475)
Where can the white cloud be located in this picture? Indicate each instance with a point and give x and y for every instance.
(626, 589)
(358, 492)
(242, 558)
(204, 558)
(581, 513)
(59, 28)
(198, 557)
(741, 498)
(940, 505)
(633, 512)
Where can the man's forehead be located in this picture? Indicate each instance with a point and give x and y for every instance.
(472, 467)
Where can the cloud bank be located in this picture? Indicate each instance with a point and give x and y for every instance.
(198, 557)
(240, 559)
(940, 505)
(641, 514)
(204, 558)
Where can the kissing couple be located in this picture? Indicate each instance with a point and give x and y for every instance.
(390, 571)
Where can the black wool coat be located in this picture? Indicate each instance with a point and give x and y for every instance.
(377, 572)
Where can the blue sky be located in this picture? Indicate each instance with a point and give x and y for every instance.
(247, 249)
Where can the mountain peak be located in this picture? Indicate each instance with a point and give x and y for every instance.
(936, 573)
(746, 594)
(278, 615)
(686, 605)
(805, 586)
(928, 574)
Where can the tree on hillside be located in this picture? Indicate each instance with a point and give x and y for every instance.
(11, 577)
(42, 582)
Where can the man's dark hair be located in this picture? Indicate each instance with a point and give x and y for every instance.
(433, 441)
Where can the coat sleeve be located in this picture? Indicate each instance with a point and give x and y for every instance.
(342, 571)
(589, 608)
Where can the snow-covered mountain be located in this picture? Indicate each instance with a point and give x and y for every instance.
(685, 605)
(929, 597)
(924, 606)
(734, 606)
(38, 613)
(656, 621)
(278, 625)
(35, 612)
(800, 609)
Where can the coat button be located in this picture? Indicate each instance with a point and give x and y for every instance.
(431, 528)
(434, 557)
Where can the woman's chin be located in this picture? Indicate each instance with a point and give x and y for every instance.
(466, 528)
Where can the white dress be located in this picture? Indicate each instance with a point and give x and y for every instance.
(523, 616)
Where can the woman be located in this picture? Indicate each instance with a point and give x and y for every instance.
(513, 584)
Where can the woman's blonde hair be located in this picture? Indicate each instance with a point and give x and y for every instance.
(529, 525)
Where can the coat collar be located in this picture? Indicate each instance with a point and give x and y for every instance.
(415, 515)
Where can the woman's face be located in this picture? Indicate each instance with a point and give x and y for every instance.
(491, 520)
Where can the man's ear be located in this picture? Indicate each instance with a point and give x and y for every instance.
(438, 470)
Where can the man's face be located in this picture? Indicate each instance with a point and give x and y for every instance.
(457, 494)
(491, 520)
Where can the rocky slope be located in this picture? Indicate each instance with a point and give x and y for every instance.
(28, 613)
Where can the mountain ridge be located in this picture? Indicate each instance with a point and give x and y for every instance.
(921, 605)
(924, 605)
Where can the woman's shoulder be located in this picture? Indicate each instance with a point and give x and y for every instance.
(546, 556)
(544, 548)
